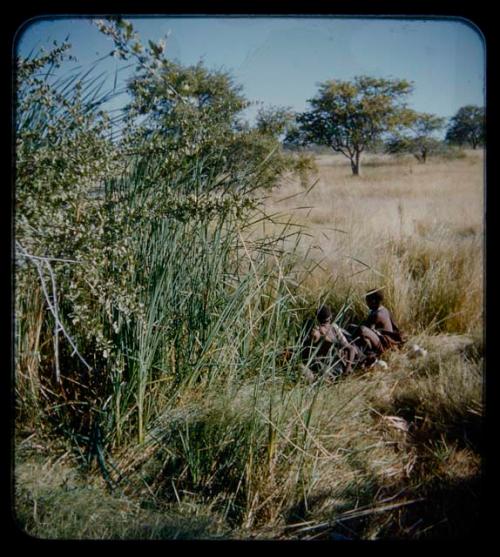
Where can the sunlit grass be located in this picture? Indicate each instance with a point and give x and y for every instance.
(193, 424)
(416, 230)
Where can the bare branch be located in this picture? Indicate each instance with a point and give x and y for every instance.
(39, 263)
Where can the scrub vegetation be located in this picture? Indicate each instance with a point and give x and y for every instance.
(165, 258)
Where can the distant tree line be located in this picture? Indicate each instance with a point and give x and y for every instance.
(352, 116)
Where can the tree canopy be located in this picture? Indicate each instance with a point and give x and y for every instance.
(467, 126)
(186, 114)
(349, 116)
(274, 120)
(417, 137)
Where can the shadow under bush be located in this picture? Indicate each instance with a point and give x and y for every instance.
(209, 454)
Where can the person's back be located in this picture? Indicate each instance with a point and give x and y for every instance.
(378, 332)
(380, 318)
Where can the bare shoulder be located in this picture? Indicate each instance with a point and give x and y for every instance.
(384, 318)
(383, 311)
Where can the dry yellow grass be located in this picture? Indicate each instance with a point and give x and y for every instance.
(395, 198)
(388, 453)
(403, 226)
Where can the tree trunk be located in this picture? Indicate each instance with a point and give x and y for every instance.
(355, 164)
(421, 157)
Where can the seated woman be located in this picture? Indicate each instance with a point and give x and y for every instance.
(325, 349)
(378, 332)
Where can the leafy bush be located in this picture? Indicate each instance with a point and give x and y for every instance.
(133, 270)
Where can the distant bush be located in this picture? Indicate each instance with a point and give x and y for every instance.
(304, 165)
(451, 152)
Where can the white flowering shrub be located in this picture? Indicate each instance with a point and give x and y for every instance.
(129, 250)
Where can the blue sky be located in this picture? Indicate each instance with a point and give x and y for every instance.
(280, 61)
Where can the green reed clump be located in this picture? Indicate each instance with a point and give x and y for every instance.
(153, 290)
(129, 251)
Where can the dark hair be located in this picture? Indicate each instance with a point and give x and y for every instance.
(323, 314)
(376, 296)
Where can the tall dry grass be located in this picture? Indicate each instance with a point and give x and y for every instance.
(195, 409)
(234, 444)
(376, 455)
(415, 230)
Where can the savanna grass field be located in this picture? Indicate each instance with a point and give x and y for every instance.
(234, 444)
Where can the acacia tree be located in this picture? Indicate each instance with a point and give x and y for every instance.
(274, 121)
(351, 116)
(417, 138)
(186, 114)
(467, 126)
